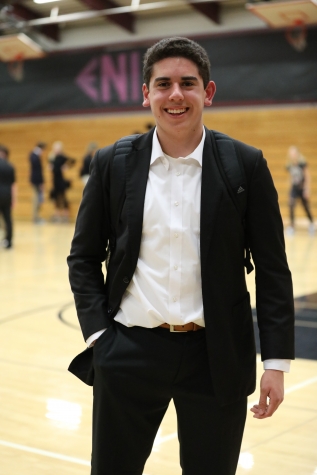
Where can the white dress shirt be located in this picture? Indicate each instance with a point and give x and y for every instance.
(166, 285)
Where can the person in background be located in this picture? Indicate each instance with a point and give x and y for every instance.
(7, 194)
(58, 162)
(84, 171)
(37, 180)
(149, 126)
(300, 187)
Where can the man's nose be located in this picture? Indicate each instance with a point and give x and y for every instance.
(176, 92)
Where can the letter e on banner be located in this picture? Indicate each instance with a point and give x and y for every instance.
(86, 79)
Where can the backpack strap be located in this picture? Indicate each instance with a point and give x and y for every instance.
(232, 172)
(122, 148)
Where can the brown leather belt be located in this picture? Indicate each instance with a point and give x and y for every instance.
(188, 327)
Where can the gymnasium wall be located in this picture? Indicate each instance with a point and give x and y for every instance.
(249, 68)
(270, 129)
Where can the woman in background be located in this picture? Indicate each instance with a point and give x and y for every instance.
(84, 172)
(300, 187)
(58, 162)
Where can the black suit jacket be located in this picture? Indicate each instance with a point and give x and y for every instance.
(226, 302)
(36, 174)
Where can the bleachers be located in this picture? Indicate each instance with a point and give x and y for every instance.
(271, 129)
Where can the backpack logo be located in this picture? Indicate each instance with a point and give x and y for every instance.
(240, 190)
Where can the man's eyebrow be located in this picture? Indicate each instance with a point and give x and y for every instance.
(189, 78)
(162, 78)
(183, 78)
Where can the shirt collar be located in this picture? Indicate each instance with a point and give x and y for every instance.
(157, 152)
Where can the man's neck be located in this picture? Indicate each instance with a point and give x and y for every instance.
(179, 145)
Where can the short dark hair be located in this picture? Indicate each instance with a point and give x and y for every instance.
(176, 47)
(41, 145)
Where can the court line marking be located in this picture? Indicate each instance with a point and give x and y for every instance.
(78, 461)
(66, 458)
(46, 453)
(60, 316)
(308, 382)
(29, 312)
(167, 438)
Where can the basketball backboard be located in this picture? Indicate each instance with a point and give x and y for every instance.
(18, 48)
(284, 14)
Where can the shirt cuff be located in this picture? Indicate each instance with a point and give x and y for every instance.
(94, 336)
(278, 364)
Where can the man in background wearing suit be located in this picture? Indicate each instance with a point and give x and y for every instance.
(173, 318)
(37, 180)
(7, 195)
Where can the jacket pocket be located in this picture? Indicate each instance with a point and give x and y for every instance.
(82, 366)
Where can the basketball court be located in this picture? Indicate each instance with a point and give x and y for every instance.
(46, 412)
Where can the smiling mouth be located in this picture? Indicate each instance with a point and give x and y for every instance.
(177, 111)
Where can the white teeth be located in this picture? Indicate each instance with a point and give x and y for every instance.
(176, 111)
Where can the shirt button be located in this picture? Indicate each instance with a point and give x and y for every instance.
(174, 299)
(175, 267)
(176, 235)
(178, 173)
(176, 203)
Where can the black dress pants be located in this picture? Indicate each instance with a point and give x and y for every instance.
(137, 373)
(298, 192)
(5, 210)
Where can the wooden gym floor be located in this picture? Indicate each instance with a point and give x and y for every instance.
(46, 412)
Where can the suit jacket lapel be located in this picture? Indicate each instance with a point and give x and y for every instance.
(211, 193)
(137, 170)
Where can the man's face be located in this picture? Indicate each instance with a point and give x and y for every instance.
(177, 96)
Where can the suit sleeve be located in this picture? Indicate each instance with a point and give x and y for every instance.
(88, 248)
(274, 291)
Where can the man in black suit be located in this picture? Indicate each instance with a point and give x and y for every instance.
(37, 179)
(7, 194)
(173, 318)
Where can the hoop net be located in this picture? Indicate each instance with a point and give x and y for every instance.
(296, 35)
(16, 67)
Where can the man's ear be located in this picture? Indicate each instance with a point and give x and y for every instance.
(146, 99)
(210, 92)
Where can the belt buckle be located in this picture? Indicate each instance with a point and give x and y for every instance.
(175, 331)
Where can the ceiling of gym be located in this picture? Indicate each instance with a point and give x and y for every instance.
(67, 24)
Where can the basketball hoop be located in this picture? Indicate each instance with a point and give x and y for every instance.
(296, 35)
(16, 67)
(14, 50)
(293, 16)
